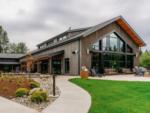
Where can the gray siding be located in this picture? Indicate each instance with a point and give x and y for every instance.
(90, 39)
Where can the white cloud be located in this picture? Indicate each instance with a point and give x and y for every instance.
(33, 21)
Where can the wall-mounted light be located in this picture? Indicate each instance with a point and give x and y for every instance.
(137, 54)
(75, 52)
(88, 51)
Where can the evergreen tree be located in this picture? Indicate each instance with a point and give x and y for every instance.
(21, 48)
(4, 41)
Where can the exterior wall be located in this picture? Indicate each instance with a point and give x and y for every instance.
(86, 43)
(68, 49)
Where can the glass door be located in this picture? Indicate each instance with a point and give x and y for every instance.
(56, 66)
(97, 62)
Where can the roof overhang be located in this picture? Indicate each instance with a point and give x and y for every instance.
(127, 28)
(9, 63)
(124, 25)
(44, 56)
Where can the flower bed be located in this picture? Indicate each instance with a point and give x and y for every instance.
(9, 85)
(33, 93)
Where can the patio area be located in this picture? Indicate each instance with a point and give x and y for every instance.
(128, 77)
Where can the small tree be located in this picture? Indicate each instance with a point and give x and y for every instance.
(29, 62)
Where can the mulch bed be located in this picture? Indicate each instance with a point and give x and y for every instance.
(9, 85)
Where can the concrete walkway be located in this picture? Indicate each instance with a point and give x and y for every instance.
(130, 77)
(7, 106)
(72, 99)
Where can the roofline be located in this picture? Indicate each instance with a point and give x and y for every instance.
(144, 44)
(105, 24)
(11, 57)
(111, 21)
(84, 34)
(51, 38)
(67, 31)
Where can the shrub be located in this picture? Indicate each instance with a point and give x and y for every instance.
(39, 96)
(20, 92)
(145, 59)
(34, 85)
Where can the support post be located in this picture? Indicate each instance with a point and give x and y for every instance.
(54, 85)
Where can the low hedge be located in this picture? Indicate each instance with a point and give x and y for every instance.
(39, 96)
(34, 85)
(20, 92)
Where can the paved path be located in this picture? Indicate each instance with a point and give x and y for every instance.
(72, 99)
(123, 78)
(7, 106)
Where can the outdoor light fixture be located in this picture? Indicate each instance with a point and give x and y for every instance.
(88, 51)
(75, 52)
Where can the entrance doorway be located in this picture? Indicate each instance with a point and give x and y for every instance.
(56, 64)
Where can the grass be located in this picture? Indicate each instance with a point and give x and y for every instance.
(117, 96)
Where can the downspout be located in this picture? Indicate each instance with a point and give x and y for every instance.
(79, 53)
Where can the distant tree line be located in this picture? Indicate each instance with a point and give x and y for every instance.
(145, 59)
(7, 47)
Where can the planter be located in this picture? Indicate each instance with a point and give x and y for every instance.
(146, 74)
(126, 71)
(110, 71)
(84, 74)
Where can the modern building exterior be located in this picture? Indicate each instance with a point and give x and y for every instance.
(9, 62)
(112, 44)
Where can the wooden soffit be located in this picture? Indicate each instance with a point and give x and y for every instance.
(125, 26)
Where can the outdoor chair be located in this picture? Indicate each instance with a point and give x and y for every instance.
(94, 73)
(139, 71)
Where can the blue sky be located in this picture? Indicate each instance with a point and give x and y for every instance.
(33, 21)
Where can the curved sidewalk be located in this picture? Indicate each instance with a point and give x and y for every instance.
(8, 106)
(73, 99)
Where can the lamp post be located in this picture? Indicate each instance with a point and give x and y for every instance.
(54, 82)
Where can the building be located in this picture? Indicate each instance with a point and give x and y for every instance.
(111, 44)
(9, 62)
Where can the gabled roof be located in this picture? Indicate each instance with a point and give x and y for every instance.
(12, 56)
(123, 24)
(87, 31)
(64, 33)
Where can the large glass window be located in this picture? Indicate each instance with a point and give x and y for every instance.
(112, 60)
(95, 46)
(129, 49)
(96, 62)
(113, 42)
(112, 53)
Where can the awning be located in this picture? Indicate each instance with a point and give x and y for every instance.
(45, 56)
(9, 63)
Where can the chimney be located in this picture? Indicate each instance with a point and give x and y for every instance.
(69, 29)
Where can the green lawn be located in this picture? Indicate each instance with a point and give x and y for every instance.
(117, 96)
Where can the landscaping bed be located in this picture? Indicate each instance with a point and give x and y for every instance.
(34, 93)
(9, 85)
(116, 96)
